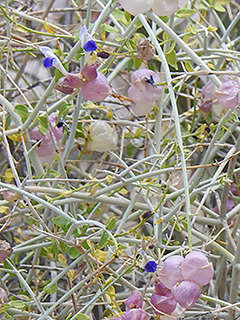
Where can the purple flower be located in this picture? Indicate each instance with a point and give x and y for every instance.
(87, 42)
(90, 46)
(48, 62)
(150, 266)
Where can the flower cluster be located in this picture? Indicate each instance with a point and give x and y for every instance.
(46, 144)
(92, 83)
(179, 282)
(159, 7)
(144, 91)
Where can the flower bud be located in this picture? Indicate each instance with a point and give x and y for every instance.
(5, 250)
(186, 293)
(97, 89)
(102, 137)
(163, 304)
(171, 273)
(228, 94)
(197, 268)
(134, 300)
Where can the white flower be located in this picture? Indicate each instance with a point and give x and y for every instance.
(159, 7)
(102, 136)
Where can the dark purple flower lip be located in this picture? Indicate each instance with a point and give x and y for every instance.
(150, 266)
(48, 62)
(90, 46)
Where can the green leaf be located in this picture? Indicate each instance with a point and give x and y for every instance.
(82, 316)
(60, 221)
(110, 29)
(137, 63)
(63, 111)
(137, 24)
(4, 308)
(18, 304)
(43, 125)
(62, 260)
(121, 16)
(234, 117)
(111, 224)
(22, 111)
(172, 58)
(54, 248)
(188, 66)
(63, 246)
(185, 13)
(73, 253)
(103, 240)
(219, 8)
(51, 290)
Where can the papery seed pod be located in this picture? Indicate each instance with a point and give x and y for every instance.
(145, 50)
(102, 137)
(5, 250)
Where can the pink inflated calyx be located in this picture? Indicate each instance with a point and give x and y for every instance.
(228, 94)
(144, 91)
(171, 273)
(97, 89)
(89, 71)
(197, 268)
(186, 293)
(163, 304)
(134, 300)
(135, 314)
